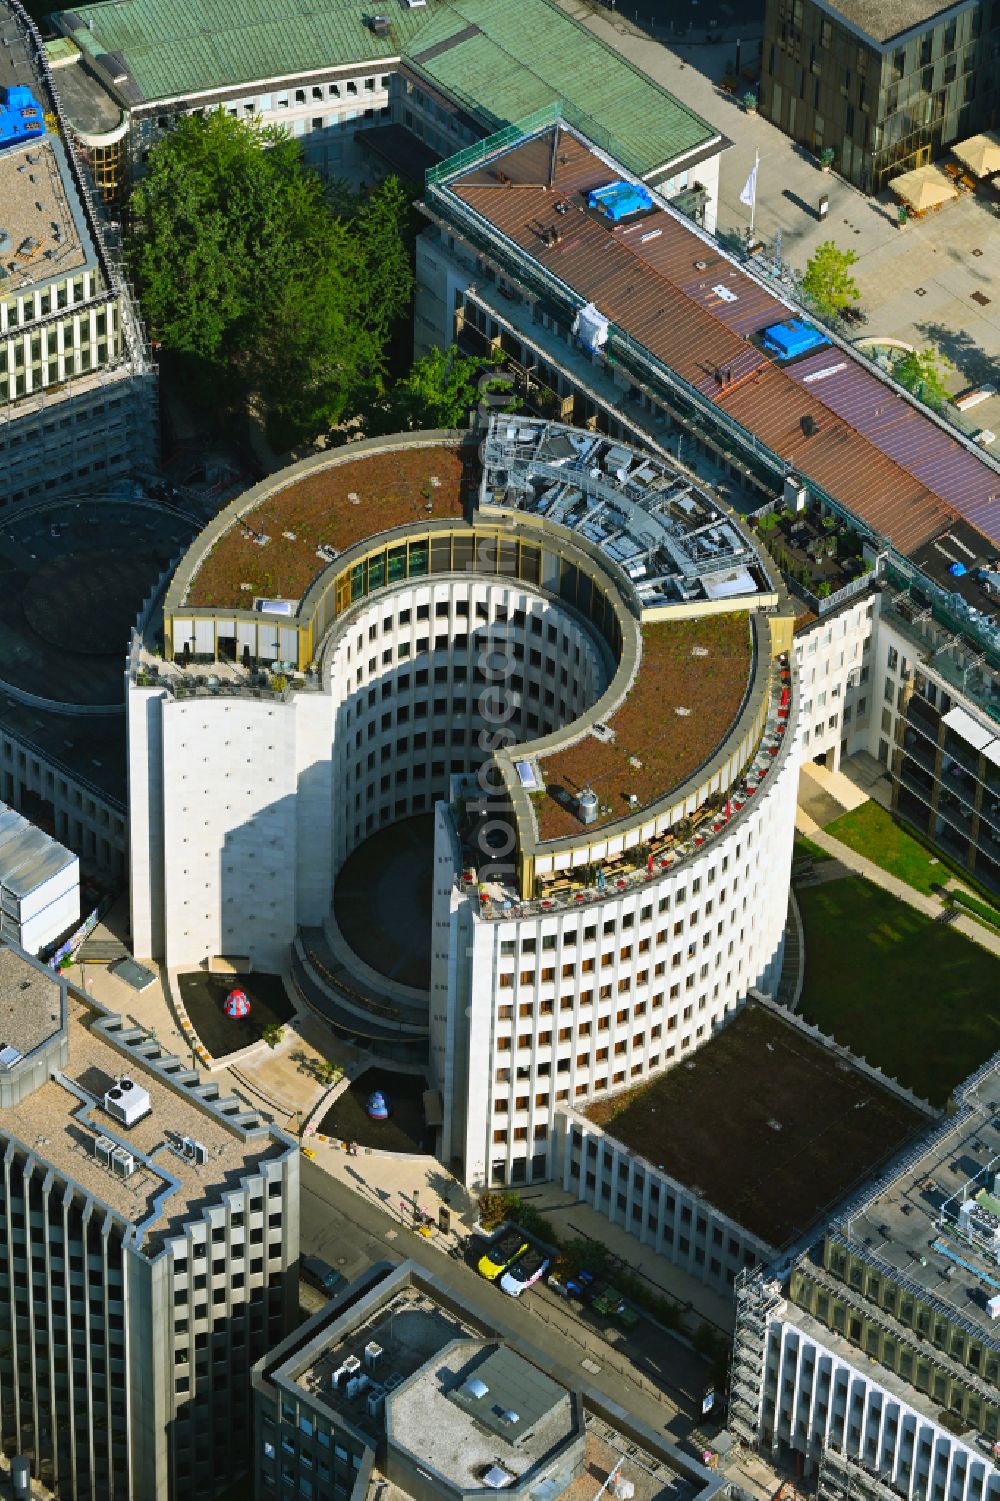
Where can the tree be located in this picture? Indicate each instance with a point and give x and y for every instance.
(273, 1034)
(828, 282)
(924, 372)
(261, 281)
(438, 391)
(328, 1072)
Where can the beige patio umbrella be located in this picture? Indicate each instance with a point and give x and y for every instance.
(981, 154)
(924, 188)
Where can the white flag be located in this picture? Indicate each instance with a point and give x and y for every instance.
(749, 193)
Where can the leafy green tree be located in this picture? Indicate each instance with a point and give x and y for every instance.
(924, 372)
(828, 282)
(259, 279)
(438, 391)
(273, 1034)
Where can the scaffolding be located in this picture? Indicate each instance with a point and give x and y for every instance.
(756, 1303)
(842, 1478)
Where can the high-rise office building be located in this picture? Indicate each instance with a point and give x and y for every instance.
(150, 1232)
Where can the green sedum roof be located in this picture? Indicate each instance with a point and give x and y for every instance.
(510, 57)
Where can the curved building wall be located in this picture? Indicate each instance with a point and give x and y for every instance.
(561, 1006)
(248, 806)
(410, 677)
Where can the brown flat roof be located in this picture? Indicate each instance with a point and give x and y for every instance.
(336, 508)
(702, 666)
(698, 313)
(770, 1126)
(29, 1003)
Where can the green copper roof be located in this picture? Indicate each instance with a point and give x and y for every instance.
(509, 59)
(175, 48)
(502, 58)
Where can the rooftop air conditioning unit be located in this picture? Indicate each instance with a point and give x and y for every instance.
(200, 1153)
(122, 1163)
(103, 1147)
(127, 1102)
(356, 1386)
(376, 1402)
(373, 1355)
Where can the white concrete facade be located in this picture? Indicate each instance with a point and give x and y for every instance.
(537, 1011)
(817, 1398)
(243, 810)
(680, 1223)
(834, 661)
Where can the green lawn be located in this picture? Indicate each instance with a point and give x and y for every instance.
(872, 831)
(806, 850)
(906, 993)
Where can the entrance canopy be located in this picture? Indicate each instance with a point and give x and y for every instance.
(924, 188)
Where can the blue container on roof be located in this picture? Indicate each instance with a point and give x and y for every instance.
(794, 336)
(619, 199)
(21, 116)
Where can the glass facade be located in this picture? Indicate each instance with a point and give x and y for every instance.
(883, 108)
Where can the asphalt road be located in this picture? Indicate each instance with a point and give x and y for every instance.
(350, 1232)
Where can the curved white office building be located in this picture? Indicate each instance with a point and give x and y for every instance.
(554, 648)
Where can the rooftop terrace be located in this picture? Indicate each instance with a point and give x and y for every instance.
(683, 314)
(274, 548)
(693, 677)
(776, 1156)
(61, 1119)
(936, 1221)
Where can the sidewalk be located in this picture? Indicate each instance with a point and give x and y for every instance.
(396, 1182)
(930, 906)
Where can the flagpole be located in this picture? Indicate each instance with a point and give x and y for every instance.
(753, 201)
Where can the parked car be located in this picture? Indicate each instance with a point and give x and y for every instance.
(320, 1275)
(580, 1284)
(498, 1256)
(524, 1272)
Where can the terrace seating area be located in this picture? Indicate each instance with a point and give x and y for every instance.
(634, 867)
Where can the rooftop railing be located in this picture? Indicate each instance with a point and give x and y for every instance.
(659, 856)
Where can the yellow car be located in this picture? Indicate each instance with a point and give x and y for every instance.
(308, 1152)
(498, 1257)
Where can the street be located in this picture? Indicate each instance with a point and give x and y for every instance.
(658, 1378)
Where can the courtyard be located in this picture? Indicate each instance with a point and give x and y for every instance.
(203, 995)
(406, 1130)
(382, 901)
(897, 988)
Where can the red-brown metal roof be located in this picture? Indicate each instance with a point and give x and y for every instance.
(695, 311)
